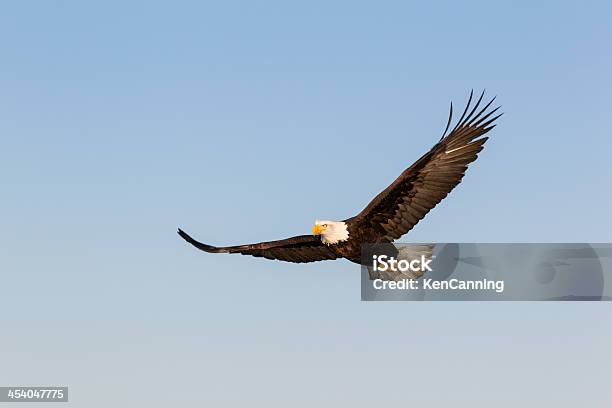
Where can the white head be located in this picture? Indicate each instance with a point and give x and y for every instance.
(331, 232)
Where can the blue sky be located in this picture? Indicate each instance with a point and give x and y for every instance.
(244, 121)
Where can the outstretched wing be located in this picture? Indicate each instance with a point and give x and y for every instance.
(398, 208)
(303, 248)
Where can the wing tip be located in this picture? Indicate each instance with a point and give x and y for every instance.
(183, 234)
(480, 121)
(199, 245)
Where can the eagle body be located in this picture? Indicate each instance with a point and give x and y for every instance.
(351, 248)
(395, 210)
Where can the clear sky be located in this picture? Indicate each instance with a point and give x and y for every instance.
(245, 121)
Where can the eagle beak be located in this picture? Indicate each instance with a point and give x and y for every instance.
(317, 229)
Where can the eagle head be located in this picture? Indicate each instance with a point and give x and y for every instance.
(331, 232)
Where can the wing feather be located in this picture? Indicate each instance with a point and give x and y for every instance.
(399, 207)
(299, 249)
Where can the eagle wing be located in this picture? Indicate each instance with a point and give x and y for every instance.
(303, 248)
(398, 208)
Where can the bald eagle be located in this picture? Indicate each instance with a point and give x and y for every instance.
(393, 212)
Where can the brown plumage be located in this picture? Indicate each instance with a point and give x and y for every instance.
(399, 207)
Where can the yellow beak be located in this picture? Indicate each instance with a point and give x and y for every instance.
(317, 229)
